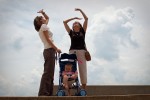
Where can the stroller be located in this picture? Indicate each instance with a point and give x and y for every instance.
(63, 60)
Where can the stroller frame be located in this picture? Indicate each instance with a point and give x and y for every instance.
(63, 60)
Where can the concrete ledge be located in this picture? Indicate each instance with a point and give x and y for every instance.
(99, 92)
(115, 89)
(104, 97)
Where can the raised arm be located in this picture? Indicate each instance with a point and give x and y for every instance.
(66, 23)
(45, 15)
(85, 18)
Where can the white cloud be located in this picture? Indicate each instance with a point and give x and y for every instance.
(111, 27)
(24, 85)
(118, 56)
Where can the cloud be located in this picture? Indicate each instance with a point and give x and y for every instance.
(4, 86)
(113, 27)
(26, 85)
(116, 47)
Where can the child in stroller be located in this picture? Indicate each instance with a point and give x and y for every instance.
(68, 76)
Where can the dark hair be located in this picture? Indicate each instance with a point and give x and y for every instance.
(81, 28)
(37, 23)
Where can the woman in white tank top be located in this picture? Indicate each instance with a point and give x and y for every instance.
(46, 36)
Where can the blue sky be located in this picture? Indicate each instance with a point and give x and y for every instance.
(117, 37)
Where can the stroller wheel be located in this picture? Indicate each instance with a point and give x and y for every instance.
(82, 92)
(60, 93)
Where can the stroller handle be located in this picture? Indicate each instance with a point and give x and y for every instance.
(68, 56)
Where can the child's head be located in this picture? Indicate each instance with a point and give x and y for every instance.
(68, 67)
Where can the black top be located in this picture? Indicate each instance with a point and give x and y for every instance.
(77, 40)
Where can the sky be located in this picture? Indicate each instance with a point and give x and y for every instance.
(117, 37)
